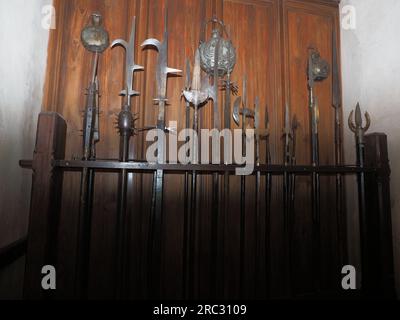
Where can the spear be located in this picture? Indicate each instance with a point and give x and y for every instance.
(336, 103)
(198, 93)
(95, 39)
(246, 114)
(318, 70)
(259, 133)
(126, 129)
(288, 136)
(163, 71)
(295, 126)
(359, 130)
(268, 199)
(186, 247)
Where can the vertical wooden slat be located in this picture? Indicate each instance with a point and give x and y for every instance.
(45, 201)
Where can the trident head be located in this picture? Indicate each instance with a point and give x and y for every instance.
(357, 125)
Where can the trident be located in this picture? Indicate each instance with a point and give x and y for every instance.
(357, 128)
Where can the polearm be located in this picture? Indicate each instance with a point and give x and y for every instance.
(215, 194)
(259, 133)
(246, 114)
(295, 126)
(268, 200)
(336, 103)
(158, 187)
(126, 127)
(288, 136)
(187, 217)
(318, 70)
(359, 132)
(196, 95)
(95, 39)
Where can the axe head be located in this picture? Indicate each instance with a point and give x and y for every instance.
(236, 110)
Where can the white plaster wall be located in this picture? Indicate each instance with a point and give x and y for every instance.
(371, 75)
(23, 55)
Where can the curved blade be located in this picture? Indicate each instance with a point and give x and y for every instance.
(152, 42)
(119, 42)
(236, 110)
(130, 65)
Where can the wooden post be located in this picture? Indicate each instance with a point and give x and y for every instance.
(45, 201)
(381, 276)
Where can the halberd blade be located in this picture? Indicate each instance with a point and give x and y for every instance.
(236, 110)
(130, 66)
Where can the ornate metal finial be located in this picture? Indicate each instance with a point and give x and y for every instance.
(196, 95)
(94, 37)
(357, 125)
(217, 50)
(318, 68)
(126, 120)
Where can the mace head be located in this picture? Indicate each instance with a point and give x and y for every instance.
(94, 37)
(218, 50)
(318, 68)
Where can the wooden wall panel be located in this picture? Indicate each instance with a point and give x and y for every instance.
(308, 25)
(271, 37)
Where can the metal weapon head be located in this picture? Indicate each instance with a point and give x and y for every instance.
(318, 69)
(130, 65)
(295, 123)
(267, 123)
(245, 91)
(357, 125)
(336, 95)
(152, 42)
(218, 55)
(94, 37)
(196, 83)
(287, 118)
(236, 110)
(188, 76)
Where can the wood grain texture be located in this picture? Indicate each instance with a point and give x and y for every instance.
(271, 37)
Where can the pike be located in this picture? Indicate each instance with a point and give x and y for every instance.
(246, 113)
(196, 95)
(215, 193)
(227, 125)
(336, 103)
(359, 132)
(162, 73)
(126, 127)
(259, 133)
(287, 187)
(318, 70)
(295, 126)
(95, 39)
(187, 221)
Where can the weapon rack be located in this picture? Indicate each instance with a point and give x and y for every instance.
(272, 37)
(50, 167)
